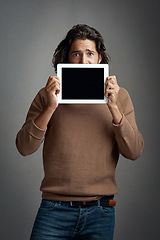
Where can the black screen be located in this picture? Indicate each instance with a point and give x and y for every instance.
(83, 83)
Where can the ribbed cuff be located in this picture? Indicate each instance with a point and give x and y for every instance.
(35, 131)
(122, 128)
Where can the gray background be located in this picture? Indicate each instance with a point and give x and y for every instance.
(29, 33)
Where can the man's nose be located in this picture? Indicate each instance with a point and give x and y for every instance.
(83, 59)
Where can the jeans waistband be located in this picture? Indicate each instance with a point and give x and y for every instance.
(104, 202)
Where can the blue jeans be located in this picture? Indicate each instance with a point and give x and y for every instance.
(65, 222)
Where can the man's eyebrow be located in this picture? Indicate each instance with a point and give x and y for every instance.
(88, 50)
(78, 51)
(75, 51)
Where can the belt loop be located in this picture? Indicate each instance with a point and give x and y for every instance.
(71, 203)
(99, 202)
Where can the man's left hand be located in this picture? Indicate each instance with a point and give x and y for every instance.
(111, 91)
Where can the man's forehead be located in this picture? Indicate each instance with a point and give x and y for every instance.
(83, 45)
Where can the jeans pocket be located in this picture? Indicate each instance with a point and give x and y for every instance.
(108, 211)
(48, 205)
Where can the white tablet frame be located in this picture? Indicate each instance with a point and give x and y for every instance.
(60, 66)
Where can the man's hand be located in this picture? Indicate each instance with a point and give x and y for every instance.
(52, 89)
(111, 92)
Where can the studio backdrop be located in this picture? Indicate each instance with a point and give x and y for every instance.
(29, 33)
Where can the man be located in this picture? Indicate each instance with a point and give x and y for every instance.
(82, 144)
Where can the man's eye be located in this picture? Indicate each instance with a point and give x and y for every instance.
(76, 55)
(90, 54)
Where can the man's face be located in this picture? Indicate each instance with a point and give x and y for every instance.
(84, 51)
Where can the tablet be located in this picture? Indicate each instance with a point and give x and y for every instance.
(82, 83)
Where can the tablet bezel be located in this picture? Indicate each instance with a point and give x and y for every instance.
(60, 66)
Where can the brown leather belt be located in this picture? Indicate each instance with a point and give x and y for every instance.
(107, 201)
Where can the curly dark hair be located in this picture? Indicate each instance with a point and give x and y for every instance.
(80, 31)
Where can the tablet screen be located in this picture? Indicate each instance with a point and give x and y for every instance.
(83, 83)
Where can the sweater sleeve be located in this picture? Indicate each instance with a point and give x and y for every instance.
(30, 137)
(129, 139)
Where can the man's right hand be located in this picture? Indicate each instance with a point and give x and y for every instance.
(52, 89)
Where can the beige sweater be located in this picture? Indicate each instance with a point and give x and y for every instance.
(81, 147)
